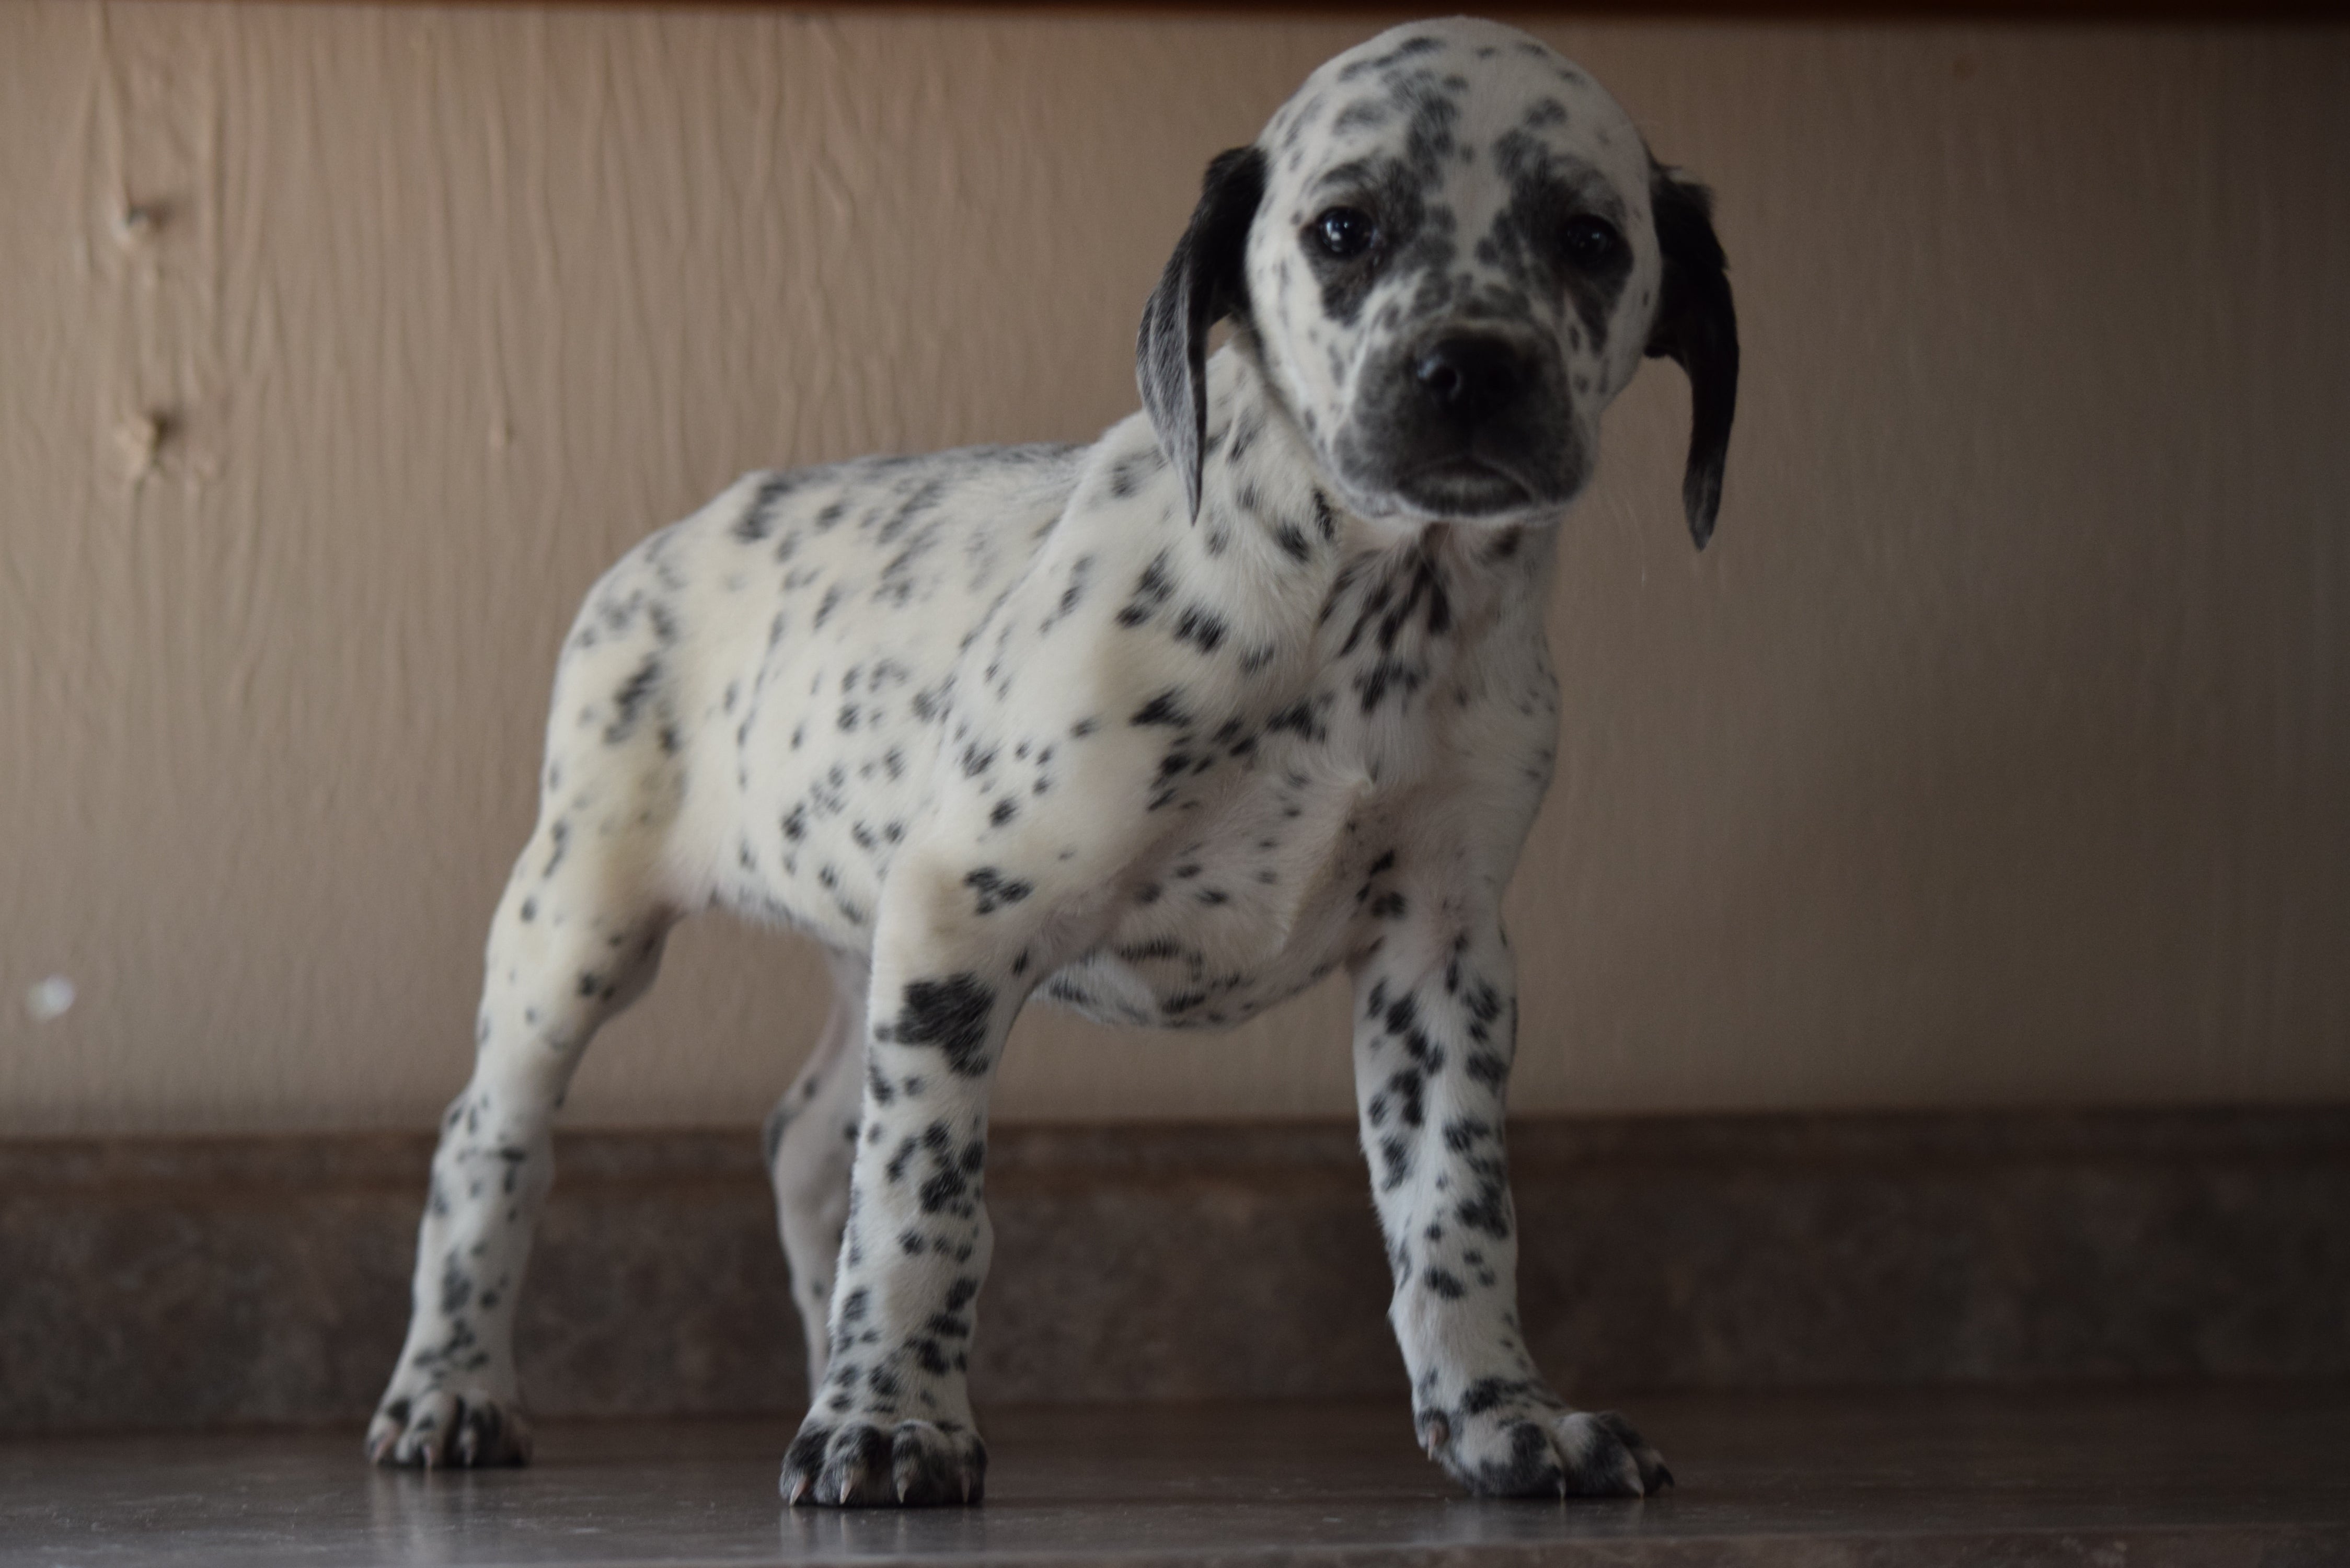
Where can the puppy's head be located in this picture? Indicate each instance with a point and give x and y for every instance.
(1452, 249)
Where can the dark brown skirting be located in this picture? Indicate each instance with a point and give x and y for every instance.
(174, 1283)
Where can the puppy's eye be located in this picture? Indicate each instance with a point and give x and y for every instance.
(1343, 234)
(1588, 241)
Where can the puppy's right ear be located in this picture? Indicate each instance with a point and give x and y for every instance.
(1206, 280)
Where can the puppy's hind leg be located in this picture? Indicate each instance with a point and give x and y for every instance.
(577, 936)
(811, 1143)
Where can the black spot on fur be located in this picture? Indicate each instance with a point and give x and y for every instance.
(1153, 588)
(950, 1013)
(628, 701)
(757, 522)
(1203, 626)
(1163, 708)
(995, 889)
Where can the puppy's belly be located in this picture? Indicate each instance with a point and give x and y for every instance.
(1158, 980)
(1275, 892)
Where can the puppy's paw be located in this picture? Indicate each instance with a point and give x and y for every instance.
(851, 1463)
(1528, 1444)
(468, 1428)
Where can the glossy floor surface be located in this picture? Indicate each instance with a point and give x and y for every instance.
(2238, 1475)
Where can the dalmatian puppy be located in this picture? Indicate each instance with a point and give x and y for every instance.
(1166, 728)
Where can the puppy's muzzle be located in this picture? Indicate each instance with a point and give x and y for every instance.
(1476, 429)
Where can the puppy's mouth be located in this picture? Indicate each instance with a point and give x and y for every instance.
(1520, 468)
(1466, 485)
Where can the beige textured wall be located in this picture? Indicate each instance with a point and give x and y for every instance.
(1998, 751)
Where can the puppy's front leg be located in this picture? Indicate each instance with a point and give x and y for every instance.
(891, 1424)
(1435, 1031)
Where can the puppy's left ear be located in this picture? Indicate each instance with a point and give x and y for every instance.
(1206, 280)
(1697, 326)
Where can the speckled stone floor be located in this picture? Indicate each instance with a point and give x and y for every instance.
(2228, 1475)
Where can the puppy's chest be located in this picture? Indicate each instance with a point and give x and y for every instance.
(1304, 849)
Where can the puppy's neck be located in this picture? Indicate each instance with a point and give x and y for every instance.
(1257, 472)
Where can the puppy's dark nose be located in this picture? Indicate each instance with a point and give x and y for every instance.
(1470, 376)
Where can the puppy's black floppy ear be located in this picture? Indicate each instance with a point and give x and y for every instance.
(1206, 280)
(1697, 326)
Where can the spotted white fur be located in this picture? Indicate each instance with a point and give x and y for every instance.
(1165, 728)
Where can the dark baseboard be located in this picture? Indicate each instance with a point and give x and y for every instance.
(192, 1281)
